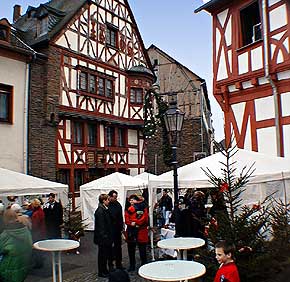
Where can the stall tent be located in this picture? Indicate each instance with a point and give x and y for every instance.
(89, 192)
(271, 174)
(18, 184)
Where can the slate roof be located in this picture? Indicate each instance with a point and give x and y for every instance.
(14, 43)
(59, 12)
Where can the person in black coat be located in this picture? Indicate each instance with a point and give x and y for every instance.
(103, 235)
(165, 203)
(53, 212)
(116, 213)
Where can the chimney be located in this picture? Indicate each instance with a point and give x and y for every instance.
(16, 12)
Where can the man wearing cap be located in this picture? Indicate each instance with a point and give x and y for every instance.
(53, 217)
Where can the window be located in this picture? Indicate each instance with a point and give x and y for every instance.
(251, 24)
(78, 179)
(42, 27)
(102, 86)
(4, 30)
(6, 103)
(109, 88)
(92, 84)
(63, 176)
(136, 96)
(83, 81)
(78, 133)
(111, 36)
(121, 137)
(101, 90)
(110, 136)
(91, 134)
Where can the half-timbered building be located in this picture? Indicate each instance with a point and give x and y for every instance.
(251, 69)
(15, 58)
(87, 91)
(175, 81)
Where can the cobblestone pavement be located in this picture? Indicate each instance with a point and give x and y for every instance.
(79, 268)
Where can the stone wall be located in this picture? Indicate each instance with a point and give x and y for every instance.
(190, 143)
(44, 98)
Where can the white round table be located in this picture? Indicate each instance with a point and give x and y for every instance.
(55, 246)
(181, 244)
(172, 270)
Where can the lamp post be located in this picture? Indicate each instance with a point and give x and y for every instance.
(173, 119)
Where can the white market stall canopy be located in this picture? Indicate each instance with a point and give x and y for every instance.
(18, 184)
(90, 192)
(271, 174)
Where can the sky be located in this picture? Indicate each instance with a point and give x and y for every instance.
(174, 28)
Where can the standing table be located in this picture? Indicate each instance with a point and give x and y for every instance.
(55, 246)
(181, 244)
(172, 270)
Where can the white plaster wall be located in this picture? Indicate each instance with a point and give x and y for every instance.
(278, 17)
(133, 156)
(132, 137)
(267, 141)
(283, 75)
(286, 140)
(272, 2)
(285, 104)
(243, 63)
(257, 58)
(12, 136)
(264, 108)
(222, 69)
(228, 32)
(102, 138)
(248, 138)
(238, 110)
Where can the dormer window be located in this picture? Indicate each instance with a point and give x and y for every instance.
(251, 27)
(42, 26)
(4, 31)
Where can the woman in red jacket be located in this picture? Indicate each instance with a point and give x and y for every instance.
(136, 220)
(38, 231)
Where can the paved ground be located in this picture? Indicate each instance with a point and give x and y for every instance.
(79, 268)
(83, 267)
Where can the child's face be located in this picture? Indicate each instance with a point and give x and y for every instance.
(221, 256)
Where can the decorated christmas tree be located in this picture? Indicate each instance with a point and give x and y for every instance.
(260, 231)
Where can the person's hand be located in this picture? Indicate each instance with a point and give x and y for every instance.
(133, 223)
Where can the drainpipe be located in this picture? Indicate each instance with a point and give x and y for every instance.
(25, 118)
(268, 76)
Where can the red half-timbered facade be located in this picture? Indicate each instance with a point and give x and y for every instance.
(96, 75)
(251, 70)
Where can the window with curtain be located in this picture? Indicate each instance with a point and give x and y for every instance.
(110, 136)
(78, 133)
(136, 96)
(92, 134)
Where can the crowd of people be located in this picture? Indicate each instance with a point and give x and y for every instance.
(20, 227)
(109, 228)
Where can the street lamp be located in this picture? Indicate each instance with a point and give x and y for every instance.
(173, 119)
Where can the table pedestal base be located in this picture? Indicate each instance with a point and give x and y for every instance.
(56, 266)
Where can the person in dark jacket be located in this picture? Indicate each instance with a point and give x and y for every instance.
(116, 212)
(165, 203)
(103, 235)
(53, 217)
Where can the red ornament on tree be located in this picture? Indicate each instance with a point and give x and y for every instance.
(224, 187)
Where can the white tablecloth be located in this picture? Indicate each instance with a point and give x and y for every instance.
(165, 234)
